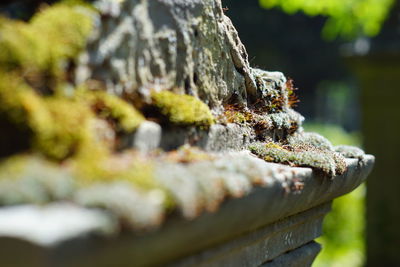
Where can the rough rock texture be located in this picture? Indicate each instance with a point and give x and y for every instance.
(188, 45)
(282, 214)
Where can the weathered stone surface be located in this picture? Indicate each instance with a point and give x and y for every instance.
(286, 191)
(218, 138)
(265, 244)
(146, 138)
(300, 257)
(50, 223)
(188, 45)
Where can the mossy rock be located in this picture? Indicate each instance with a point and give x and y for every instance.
(328, 162)
(182, 110)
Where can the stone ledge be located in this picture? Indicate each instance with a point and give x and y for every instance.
(264, 208)
(300, 257)
(264, 244)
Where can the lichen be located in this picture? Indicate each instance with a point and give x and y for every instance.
(310, 138)
(182, 110)
(328, 162)
(272, 90)
(33, 179)
(350, 152)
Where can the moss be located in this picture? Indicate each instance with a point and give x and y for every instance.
(113, 109)
(328, 162)
(57, 126)
(237, 114)
(69, 130)
(20, 104)
(182, 110)
(54, 35)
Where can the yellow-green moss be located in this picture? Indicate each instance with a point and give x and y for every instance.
(112, 108)
(183, 110)
(21, 105)
(69, 130)
(58, 126)
(53, 35)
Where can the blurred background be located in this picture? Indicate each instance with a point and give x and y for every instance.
(344, 57)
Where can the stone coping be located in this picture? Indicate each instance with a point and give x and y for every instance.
(79, 235)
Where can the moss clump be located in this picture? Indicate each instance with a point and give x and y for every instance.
(182, 110)
(69, 130)
(122, 115)
(56, 126)
(328, 162)
(54, 35)
(20, 104)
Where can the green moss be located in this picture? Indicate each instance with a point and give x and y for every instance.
(112, 108)
(328, 162)
(69, 130)
(21, 105)
(53, 35)
(183, 110)
(57, 126)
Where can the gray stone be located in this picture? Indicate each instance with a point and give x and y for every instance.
(268, 243)
(229, 137)
(350, 151)
(52, 224)
(300, 257)
(147, 137)
(187, 45)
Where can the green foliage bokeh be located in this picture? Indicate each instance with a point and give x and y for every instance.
(346, 18)
(343, 238)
